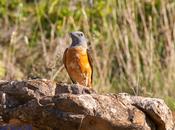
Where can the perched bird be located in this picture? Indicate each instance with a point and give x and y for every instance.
(78, 61)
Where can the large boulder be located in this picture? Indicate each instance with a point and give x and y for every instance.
(45, 104)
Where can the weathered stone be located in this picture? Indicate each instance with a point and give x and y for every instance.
(46, 105)
(73, 89)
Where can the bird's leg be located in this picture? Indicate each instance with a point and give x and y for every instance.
(76, 83)
(86, 79)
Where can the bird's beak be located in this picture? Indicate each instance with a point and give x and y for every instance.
(72, 34)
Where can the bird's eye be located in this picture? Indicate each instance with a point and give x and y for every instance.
(81, 34)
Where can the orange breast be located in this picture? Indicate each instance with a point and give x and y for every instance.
(78, 66)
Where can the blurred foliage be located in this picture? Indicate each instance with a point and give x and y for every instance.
(170, 102)
(132, 42)
(2, 70)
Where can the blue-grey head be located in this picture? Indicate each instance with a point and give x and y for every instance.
(78, 39)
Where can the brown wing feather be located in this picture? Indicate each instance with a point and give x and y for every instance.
(89, 53)
(64, 58)
(64, 61)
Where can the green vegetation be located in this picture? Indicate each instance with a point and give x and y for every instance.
(133, 42)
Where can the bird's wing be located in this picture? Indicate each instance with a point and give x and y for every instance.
(64, 61)
(64, 58)
(89, 54)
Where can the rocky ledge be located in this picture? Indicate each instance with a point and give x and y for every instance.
(47, 105)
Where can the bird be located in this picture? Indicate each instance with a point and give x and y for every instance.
(77, 60)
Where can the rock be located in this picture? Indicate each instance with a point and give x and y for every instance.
(154, 108)
(73, 89)
(47, 105)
